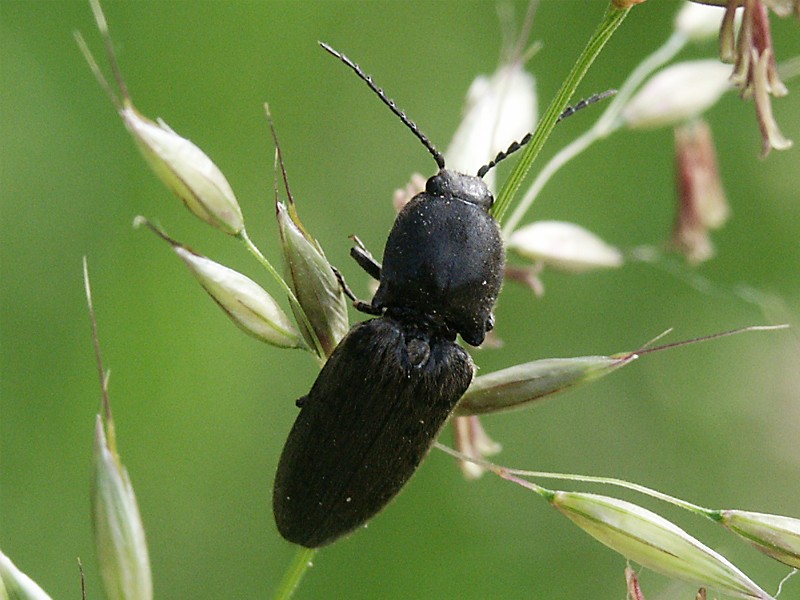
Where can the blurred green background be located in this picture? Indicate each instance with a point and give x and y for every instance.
(202, 410)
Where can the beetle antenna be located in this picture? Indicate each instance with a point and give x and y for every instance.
(571, 110)
(437, 156)
(503, 155)
(568, 112)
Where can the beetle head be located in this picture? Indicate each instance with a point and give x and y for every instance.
(468, 188)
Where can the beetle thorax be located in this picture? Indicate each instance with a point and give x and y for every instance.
(444, 258)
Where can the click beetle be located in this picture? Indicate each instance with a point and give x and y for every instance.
(391, 383)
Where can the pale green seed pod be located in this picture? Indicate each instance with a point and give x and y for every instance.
(677, 94)
(564, 246)
(520, 385)
(251, 308)
(650, 540)
(183, 167)
(774, 535)
(186, 171)
(15, 585)
(313, 282)
(118, 531)
(500, 109)
(699, 22)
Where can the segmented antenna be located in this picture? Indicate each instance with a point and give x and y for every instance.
(571, 110)
(568, 112)
(437, 156)
(503, 155)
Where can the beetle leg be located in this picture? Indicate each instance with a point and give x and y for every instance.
(360, 305)
(365, 259)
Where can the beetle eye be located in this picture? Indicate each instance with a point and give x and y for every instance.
(436, 185)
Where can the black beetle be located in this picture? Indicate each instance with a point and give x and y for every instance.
(391, 383)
